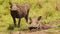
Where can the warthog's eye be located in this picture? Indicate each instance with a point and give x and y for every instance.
(30, 22)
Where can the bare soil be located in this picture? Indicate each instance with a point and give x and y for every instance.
(37, 32)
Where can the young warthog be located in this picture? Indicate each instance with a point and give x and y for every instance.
(34, 22)
(19, 11)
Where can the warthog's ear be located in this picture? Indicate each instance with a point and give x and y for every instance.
(10, 3)
(39, 18)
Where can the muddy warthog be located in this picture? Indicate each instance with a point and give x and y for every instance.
(19, 11)
(34, 22)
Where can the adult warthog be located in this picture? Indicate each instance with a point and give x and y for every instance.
(19, 11)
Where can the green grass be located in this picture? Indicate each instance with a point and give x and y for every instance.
(48, 12)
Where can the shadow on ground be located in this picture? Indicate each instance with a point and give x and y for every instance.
(11, 27)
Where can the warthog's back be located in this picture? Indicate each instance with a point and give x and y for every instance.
(24, 9)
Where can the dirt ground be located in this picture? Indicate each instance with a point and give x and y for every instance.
(36, 32)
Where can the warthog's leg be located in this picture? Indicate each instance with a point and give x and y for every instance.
(19, 22)
(14, 21)
(26, 19)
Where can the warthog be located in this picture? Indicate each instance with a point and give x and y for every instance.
(19, 11)
(34, 22)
